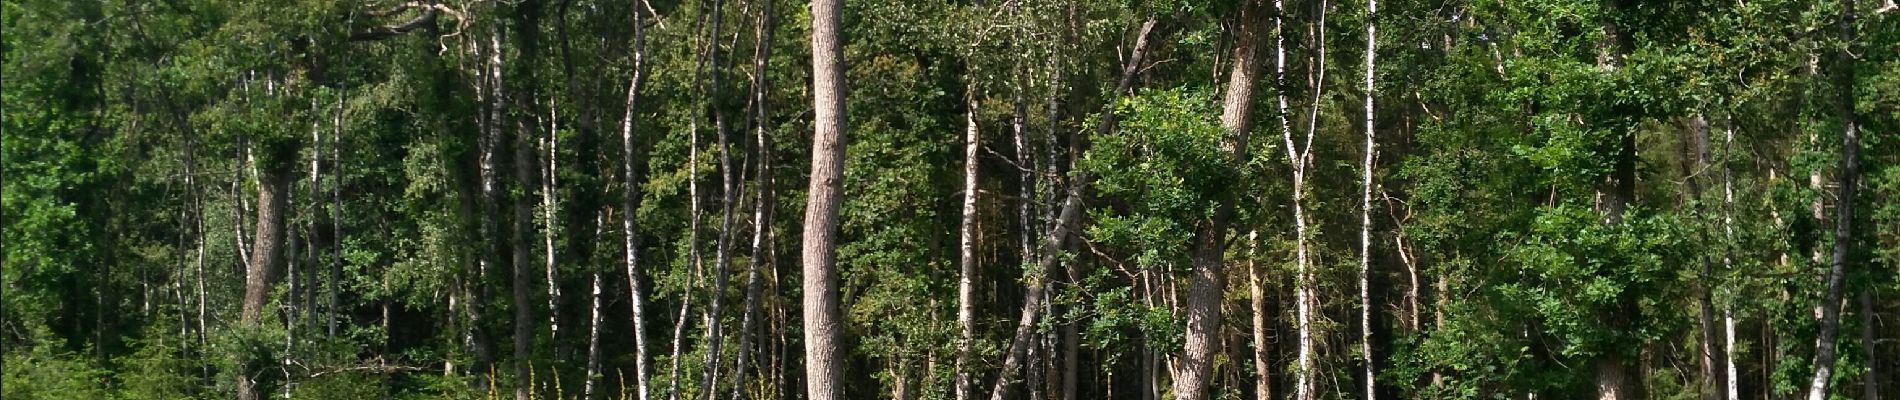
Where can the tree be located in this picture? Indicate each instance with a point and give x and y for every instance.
(823, 337)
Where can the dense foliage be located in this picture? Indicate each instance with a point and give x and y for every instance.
(601, 199)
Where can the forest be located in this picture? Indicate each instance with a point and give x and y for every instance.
(950, 199)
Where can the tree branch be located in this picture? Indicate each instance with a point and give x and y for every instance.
(429, 14)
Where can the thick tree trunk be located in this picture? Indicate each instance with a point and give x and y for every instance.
(1830, 318)
(824, 351)
(722, 265)
(526, 171)
(273, 187)
(1207, 286)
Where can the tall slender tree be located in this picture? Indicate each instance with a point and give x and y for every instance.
(824, 368)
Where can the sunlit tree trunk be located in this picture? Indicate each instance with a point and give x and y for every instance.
(824, 351)
(629, 203)
(273, 187)
(1300, 157)
(1365, 205)
(966, 248)
(1207, 287)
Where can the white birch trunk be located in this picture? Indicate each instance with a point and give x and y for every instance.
(1365, 209)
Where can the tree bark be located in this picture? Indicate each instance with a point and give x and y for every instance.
(966, 260)
(549, 184)
(629, 204)
(1365, 205)
(1830, 318)
(1263, 369)
(824, 366)
(593, 340)
(1731, 387)
(273, 187)
(1710, 359)
(1300, 157)
(1207, 287)
(526, 171)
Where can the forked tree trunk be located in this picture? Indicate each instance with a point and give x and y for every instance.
(1300, 157)
(824, 366)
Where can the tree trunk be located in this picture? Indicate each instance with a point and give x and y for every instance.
(593, 339)
(526, 171)
(762, 205)
(549, 184)
(1710, 358)
(695, 261)
(966, 260)
(1869, 346)
(273, 187)
(1263, 369)
(1300, 157)
(1731, 388)
(1365, 205)
(1617, 377)
(336, 222)
(629, 204)
(1065, 223)
(824, 366)
(723, 251)
(1830, 319)
(1207, 287)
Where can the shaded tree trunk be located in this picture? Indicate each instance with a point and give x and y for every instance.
(1830, 318)
(1066, 222)
(762, 205)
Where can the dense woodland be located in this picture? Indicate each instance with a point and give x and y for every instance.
(950, 199)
